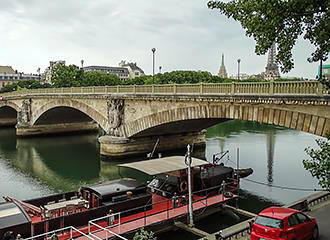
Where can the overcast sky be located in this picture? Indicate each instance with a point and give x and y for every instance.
(186, 34)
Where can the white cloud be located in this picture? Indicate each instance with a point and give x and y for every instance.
(186, 33)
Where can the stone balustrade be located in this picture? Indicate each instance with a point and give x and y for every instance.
(253, 88)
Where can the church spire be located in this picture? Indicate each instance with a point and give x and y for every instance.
(222, 71)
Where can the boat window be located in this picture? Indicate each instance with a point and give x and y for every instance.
(269, 222)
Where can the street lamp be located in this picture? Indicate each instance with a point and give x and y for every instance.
(82, 63)
(321, 72)
(160, 69)
(238, 66)
(153, 64)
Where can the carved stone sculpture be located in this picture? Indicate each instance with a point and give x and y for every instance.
(115, 115)
(24, 115)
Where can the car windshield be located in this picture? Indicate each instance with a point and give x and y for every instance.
(269, 222)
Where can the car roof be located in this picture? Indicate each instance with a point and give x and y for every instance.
(277, 212)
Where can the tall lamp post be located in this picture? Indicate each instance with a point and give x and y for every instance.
(153, 64)
(238, 66)
(321, 72)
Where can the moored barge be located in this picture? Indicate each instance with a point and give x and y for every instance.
(124, 205)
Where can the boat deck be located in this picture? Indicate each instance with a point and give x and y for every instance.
(159, 213)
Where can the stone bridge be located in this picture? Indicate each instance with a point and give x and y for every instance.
(134, 118)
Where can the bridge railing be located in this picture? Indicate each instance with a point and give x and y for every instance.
(253, 88)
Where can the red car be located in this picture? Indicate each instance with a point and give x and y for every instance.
(277, 223)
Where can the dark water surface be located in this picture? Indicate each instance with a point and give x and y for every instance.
(32, 167)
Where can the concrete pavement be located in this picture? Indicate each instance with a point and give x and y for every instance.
(322, 215)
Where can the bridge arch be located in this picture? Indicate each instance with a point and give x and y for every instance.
(269, 114)
(8, 114)
(70, 103)
(10, 104)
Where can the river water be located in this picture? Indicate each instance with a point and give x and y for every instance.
(33, 167)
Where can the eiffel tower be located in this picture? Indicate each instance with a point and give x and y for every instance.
(272, 71)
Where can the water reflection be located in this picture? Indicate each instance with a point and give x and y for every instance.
(270, 155)
(274, 153)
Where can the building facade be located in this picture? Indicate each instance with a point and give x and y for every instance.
(325, 72)
(8, 76)
(125, 70)
(133, 70)
(121, 72)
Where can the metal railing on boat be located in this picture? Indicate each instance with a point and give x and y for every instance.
(66, 232)
(138, 217)
(69, 233)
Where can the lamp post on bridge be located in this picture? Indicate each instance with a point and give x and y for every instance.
(153, 65)
(238, 66)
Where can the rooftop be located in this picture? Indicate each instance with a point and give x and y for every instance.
(105, 68)
(6, 69)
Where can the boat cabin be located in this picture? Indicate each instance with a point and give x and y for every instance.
(171, 178)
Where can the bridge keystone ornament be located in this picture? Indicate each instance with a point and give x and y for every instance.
(115, 115)
(24, 115)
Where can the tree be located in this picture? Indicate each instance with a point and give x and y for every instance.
(282, 22)
(67, 76)
(319, 164)
(144, 235)
(24, 84)
(97, 78)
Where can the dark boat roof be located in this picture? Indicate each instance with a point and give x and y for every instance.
(115, 186)
(12, 215)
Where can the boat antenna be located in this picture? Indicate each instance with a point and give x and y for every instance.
(188, 161)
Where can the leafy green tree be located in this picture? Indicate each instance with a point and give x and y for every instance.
(67, 76)
(24, 84)
(282, 22)
(9, 88)
(97, 78)
(319, 164)
(144, 235)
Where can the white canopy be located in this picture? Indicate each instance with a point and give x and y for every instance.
(163, 165)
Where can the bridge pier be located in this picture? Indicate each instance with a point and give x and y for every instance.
(119, 147)
(51, 129)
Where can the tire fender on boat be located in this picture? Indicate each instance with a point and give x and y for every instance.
(183, 186)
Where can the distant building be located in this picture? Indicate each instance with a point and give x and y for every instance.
(121, 72)
(133, 70)
(222, 71)
(125, 70)
(325, 71)
(8, 76)
(47, 76)
(242, 76)
(272, 71)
